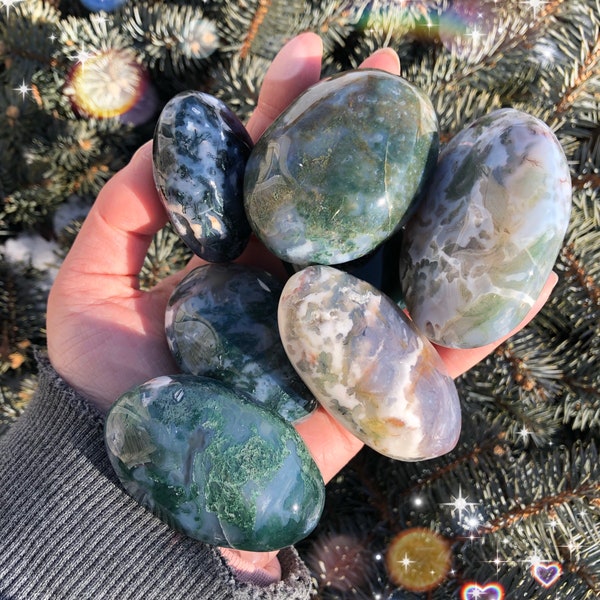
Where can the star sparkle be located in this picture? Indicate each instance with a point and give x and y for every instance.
(459, 504)
(535, 5)
(8, 4)
(524, 433)
(406, 561)
(23, 89)
(497, 562)
(573, 547)
(475, 34)
(82, 56)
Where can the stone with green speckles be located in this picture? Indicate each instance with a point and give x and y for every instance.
(213, 464)
(339, 171)
(483, 241)
(221, 322)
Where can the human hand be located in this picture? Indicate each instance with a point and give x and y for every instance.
(105, 335)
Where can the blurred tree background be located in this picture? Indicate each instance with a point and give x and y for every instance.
(514, 510)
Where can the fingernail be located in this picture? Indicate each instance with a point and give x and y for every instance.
(384, 59)
(386, 51)
(141, 157)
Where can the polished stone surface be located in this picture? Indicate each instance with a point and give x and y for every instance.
(213, 464)
(367, 365)
(200, 153)
(338, 172)
(221, 322)
(484, 240)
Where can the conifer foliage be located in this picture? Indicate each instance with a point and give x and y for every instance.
(517, 503)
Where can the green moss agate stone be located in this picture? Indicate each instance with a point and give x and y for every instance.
(367, 364)
(213, 464)
(482, 243)
(339, 171)
(221, 322)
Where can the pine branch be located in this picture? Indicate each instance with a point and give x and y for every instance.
(587, 76)
(176, 39)
(552, 514)
(167, 255)
(22, 304)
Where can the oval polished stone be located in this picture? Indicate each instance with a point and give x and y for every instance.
(200, 152)
(221, 322)
(367, 364)
(482, 243)
(214, 464)
(338, 172)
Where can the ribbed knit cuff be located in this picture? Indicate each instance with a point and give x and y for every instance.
(69, 531)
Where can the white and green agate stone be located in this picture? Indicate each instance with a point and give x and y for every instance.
(483, 241)
(221, 322)
(213, 464)
(367, 364)
(199, 157)
(340, 169)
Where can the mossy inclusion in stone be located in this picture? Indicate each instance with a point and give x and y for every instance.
(367, 364)
(485, 237)
(221, 322)
(199, 155)
(339, 171)
(213, 464)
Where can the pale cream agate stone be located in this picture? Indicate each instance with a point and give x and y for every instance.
(367, 365)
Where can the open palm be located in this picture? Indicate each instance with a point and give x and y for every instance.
(105, 335)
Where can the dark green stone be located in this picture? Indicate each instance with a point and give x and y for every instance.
(339, 171)
(213, 464)
(221, 322)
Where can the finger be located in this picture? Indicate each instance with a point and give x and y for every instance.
(331, 445)
(118, 230)
(385, 59)
(296, 67)
(459, 361)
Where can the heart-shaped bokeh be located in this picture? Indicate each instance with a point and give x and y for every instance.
(546, 573)
(489, 591)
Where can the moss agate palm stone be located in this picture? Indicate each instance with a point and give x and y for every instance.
(213, 464)
(483, 241)
(367, 364)
(339, 171)
(199, 156)
(221, 322)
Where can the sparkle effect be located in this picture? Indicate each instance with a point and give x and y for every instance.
(524, 433)
(546, 573)
(107, 84)
(475, 591)
(418, 559)
(459, 504)
(23, 89)
(8, 4)
(82, 56)
(199, 38)
(535, 5)
(498, 562)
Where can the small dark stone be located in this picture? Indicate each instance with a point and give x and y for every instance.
(200, 153)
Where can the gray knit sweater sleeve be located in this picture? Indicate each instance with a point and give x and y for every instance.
(69, 531)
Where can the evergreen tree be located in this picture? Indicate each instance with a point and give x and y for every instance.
(514, 510)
